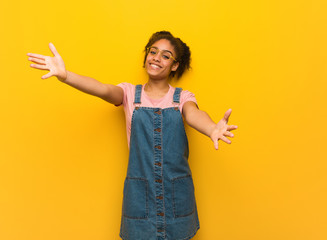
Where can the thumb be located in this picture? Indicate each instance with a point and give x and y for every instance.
(216, 143)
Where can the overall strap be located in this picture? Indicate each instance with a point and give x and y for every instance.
(138, 90)
(177, 94)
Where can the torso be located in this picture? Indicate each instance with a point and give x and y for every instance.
(147, 101)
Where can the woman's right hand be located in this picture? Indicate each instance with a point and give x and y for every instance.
(54, 64)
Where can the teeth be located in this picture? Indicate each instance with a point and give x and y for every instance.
(155, 66)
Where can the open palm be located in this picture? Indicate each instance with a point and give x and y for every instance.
(222, 130)
(54, 64)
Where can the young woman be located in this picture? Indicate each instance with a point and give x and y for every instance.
(158, 197)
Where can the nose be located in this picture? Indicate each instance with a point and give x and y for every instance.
(157, 57)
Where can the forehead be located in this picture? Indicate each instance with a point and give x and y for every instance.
(164, 44)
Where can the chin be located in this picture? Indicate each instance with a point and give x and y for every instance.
(156, 76)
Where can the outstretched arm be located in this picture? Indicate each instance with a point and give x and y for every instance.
(201, 121)
(56, 67)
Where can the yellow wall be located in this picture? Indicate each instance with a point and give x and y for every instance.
(63, 153)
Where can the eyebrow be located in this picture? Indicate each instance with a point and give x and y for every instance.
(162, 50)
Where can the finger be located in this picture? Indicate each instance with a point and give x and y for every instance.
(53, 49)
(227, 114)
(49, 74)
(228, 134)
(36, 55)
(215, 143)
(38, 66)
(36, 60)
(226, 140)
(231, 127)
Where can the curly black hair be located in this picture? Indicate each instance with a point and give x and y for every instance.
(182, 50)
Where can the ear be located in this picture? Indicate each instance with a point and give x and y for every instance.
(175, 66)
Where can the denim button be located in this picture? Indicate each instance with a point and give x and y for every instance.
(137, 108)
(159, 197)
(161, 214)
(159, 147)
(176, 108)
(160, 230)
(159, 180)
(158, 163)
(157, 129)
(158, 112)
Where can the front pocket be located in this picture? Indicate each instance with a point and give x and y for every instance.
(135, 200)
(183, 196)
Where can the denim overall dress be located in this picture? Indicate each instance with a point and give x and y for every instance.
(158, 196)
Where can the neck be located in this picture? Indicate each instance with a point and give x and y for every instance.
(156, 86)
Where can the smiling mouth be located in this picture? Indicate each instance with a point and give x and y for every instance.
(154, 66)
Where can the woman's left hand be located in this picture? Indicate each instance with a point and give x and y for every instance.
(221, 130)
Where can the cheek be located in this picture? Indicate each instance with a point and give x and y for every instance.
(170, 66)
(148, 58)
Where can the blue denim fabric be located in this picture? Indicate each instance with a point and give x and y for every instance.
(158, 197)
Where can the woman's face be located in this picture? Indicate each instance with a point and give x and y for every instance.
(158, 64)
